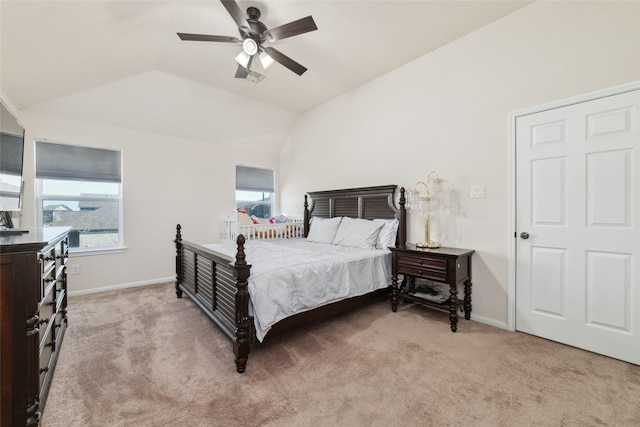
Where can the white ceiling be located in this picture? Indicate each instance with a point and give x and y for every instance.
(121, 62)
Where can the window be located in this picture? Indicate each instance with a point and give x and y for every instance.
(81, 188)
(255, 191)
(10, 171)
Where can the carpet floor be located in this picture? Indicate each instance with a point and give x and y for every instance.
(142, 357)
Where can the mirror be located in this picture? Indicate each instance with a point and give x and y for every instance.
(11, 160)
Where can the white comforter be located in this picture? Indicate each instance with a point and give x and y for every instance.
(292, 276)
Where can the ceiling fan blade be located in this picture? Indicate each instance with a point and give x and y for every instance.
(235, 12)
(208, 38)
(241, 72)
(301, 26)
(285, 60)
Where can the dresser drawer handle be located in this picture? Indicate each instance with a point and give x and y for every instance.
(32, 321)
(45, 369)
(44, 321)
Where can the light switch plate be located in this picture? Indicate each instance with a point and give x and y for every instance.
(477, 192)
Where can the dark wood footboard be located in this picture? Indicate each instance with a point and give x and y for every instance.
(218, 285)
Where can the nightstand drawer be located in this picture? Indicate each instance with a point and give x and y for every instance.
(427, 268)
(422, 262)
(423, 272)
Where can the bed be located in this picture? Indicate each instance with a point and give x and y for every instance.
(232, 292)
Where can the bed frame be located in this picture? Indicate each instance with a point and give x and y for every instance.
(217, 283)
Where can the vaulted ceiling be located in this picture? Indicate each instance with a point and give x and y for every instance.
(121, 63)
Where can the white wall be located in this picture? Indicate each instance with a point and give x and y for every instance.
(166, 181)
(448, 111)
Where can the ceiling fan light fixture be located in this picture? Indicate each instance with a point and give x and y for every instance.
(243, 59)
(249, 46)
(265, 60)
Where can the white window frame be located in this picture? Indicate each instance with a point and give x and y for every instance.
(41, 201)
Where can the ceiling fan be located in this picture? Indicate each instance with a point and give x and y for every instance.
(253, 34)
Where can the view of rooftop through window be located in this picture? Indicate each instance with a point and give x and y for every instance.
(91, 209)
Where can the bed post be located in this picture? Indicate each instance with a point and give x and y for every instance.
(402, 229)
(306, 216)
(178, 242)
(242, 344)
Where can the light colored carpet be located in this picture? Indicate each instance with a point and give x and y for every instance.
(142, 357)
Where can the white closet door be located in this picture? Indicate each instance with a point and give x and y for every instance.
(578, 199)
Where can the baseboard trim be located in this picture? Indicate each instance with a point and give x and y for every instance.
(488, 321)
(474, 317)
(122, 286)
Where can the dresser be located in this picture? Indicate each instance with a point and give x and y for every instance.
(33, 319)
(449, 266)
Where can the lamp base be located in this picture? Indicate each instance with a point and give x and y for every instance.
(428, 245)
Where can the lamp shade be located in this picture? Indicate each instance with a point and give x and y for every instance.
(243, 59)
(265, 60)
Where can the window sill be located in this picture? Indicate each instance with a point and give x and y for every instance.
(97, 251)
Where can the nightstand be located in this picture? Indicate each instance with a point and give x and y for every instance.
(444, 265)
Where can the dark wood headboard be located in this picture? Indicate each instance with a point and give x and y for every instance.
(365, 202)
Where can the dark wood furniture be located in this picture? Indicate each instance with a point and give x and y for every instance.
(218, 284)
(33, 319)
(445, 265)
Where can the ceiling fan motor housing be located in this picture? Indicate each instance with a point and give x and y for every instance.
(257, 30)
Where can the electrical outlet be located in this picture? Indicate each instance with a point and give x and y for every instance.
(477, 192)
(75, 268)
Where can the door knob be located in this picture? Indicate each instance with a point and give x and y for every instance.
(524, 235)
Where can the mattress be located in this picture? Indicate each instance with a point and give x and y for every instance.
(293, 276)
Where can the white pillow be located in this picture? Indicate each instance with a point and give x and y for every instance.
(388, 232)
(323, 230)
(359, 233)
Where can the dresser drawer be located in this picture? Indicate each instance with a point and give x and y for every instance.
(48, 258)
(46, 312)
(58, 328)
(46, 348)
(48, 275)
(427, 268)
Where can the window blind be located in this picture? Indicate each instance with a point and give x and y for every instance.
(11, 154)
(254, 179)
(74, 163)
